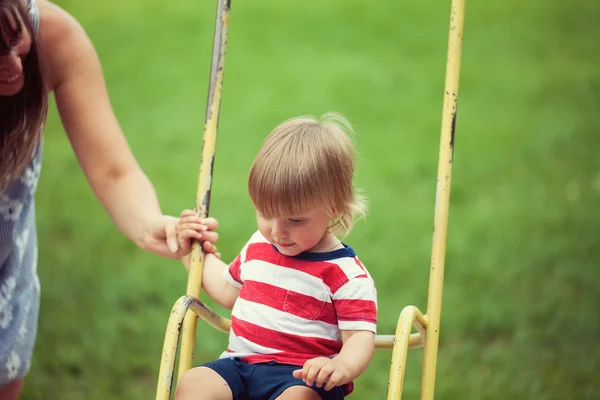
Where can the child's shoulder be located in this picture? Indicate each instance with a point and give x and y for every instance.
(340, 265)
(256, 237)
(351, 263)
(257, 242)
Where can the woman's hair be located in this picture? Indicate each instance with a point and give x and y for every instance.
(23, 115)
(306, 162)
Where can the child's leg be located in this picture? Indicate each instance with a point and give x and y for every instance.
(299, 393)
(274, 381)
(202, 383)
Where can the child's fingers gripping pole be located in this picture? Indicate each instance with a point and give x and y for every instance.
(205, 176)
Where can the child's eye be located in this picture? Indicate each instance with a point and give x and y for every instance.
(295, 221)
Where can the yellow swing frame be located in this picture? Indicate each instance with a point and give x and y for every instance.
(182, 324)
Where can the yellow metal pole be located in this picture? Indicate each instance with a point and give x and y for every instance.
(167, 361)
(403, 341)
(194, 283)
(442, 202)
(178, 312)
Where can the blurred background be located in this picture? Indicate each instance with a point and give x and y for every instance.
(520, 315)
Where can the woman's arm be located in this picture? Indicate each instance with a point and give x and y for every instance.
(73, 71)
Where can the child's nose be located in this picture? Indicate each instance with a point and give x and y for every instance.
(278, 230)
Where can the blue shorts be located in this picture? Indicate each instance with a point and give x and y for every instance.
(263, 381)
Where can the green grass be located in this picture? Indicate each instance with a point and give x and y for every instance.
(520, 312)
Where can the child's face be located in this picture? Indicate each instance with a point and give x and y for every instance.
(294, 234)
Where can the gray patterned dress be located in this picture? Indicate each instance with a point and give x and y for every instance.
(19, 283)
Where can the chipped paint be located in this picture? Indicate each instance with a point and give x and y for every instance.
(453, 131)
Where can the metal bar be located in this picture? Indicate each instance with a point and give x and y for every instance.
(387, 341)
(194, 283)
(409, 316)
(442, 202)
(172, 336)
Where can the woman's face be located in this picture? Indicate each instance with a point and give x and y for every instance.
(17, 41)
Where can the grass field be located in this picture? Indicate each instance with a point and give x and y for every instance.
(520, 316)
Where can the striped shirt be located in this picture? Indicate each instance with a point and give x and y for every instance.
(292, 309)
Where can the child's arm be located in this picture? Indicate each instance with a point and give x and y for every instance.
(214, 282)
(352, 361)
(357, 319)
(356, 352)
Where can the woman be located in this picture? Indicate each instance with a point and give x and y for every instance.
(44, 50)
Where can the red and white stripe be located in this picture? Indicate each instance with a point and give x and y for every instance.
(291, 310)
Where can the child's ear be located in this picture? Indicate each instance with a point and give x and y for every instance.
(334, 221)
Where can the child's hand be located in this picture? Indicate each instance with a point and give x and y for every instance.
(323, 370)
(191, 227)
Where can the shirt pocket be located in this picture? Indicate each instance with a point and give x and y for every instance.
(305, 301)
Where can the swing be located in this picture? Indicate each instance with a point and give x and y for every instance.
(182, 324)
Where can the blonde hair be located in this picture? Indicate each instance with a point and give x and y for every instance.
(304, 162)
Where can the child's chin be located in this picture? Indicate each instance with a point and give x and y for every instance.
(289, 251)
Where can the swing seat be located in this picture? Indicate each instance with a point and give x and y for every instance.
(192, 307)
